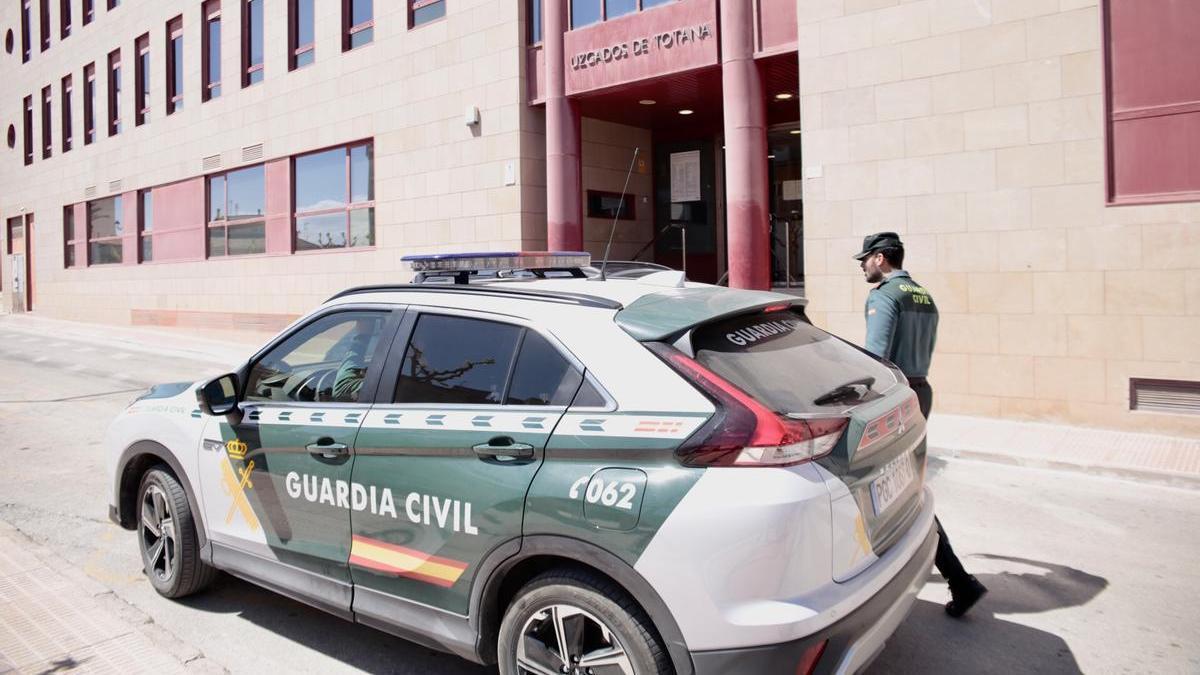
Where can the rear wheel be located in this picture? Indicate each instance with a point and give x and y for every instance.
(572, 622)
(167, 537)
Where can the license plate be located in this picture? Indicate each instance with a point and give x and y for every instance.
(897, 475)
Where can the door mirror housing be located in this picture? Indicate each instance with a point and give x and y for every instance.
(219, 396)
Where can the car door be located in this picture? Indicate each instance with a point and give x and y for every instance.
(276, 479)
(445, 464)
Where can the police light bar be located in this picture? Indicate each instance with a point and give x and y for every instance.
(503, 260)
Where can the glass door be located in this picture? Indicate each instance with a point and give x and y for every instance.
(787, 208)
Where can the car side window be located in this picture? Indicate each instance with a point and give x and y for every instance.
(325, 361)
(453, 359)
(542, 376)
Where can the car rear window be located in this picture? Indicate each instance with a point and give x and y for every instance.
(788, 364)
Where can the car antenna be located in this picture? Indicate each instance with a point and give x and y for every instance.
(620, 205)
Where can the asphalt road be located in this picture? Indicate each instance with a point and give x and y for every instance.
(1086, 574)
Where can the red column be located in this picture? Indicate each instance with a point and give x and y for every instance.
(564, 178)
(746, 196)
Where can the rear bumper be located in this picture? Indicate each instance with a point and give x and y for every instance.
(854, 641)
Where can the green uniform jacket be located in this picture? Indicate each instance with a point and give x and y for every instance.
(902, 324)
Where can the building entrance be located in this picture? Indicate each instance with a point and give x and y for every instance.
(787, 210)
(686, 208)
(20, 237)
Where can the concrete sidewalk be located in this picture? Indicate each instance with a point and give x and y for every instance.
(54, 618)
(1164, 459)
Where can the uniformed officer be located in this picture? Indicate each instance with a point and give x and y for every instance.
(902, 328)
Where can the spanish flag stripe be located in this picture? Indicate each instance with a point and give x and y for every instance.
(375, 543)
(383, 557)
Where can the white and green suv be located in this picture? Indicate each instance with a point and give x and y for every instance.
(558, 475)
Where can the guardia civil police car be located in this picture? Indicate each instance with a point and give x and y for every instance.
(555, 473)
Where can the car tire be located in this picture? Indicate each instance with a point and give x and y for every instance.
(587, 606)
(167, 537)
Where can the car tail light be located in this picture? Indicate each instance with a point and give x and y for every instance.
(743, 432)
(810, 658)
(897, 419)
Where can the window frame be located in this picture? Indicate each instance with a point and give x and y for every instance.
(44, 24)
(349, 206)
(210, 12)
(225, 223)
(175, 87)
(70, 238)
(67, 89)
(64, 19)
(26, 30)
(414, 5)
(349, 30)
(403, 338)
(141, 79)
(27, 129)
(250, 69)
(47, 123)
(87, 11)
(114, 92)
(118, 208)
(295, 49)
(89, 104)
(370, 391)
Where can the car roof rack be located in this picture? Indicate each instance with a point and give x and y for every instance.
(497, 290)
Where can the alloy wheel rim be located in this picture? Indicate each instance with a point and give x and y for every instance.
(566, 640)
(158, 533)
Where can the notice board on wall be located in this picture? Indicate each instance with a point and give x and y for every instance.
(685, 176)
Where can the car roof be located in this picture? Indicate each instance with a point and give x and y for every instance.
(653, 307)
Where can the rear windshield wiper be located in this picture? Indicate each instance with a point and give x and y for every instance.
(851, 390)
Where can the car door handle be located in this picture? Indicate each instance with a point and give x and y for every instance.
(504, 446)
(327, 448)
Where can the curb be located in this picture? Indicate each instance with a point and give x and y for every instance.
(1161, 477)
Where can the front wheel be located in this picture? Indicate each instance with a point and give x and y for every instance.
(167, 537)
(572, 622)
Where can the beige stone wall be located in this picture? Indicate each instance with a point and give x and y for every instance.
(439, 184)
(975, 128)
(607, 153)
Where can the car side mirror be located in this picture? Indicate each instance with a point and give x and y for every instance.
(219, 396)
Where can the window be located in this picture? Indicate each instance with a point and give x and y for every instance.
(28, 130)
(542, 375)
(104, 231)
(327, 360)
(252, 42)
(87, 11)
(67, 128)
(69, 236)
(358, 23)
(64, 19)
(587, 12)
(141, 80)
(47, 142)
(535, 21)
(145, 217)
(26, 10)
(335, 198)
(89, 103)
(1152, 103)
(114, 93)
(112, 4)
(610, 205)
(423, 11)
(453, 359)
(236, 201)
(174, 64)
(301, 50)
(210, 48)
(44, 23)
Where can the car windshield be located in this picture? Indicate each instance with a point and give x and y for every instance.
(788, 364)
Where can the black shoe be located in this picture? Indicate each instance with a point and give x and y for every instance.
(964, 595)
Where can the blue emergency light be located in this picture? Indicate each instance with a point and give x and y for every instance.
(498, 261)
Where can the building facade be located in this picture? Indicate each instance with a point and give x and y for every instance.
(228, 164)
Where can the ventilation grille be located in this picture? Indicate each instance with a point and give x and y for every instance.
(252, 153)
(1168, 396)
(114, 186)
(211, 162)
(90, 191)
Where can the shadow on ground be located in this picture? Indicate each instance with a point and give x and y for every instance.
(929, 641)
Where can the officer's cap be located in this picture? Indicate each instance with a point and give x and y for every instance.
(878, 241)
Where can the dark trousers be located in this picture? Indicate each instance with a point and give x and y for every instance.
(947, 563)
